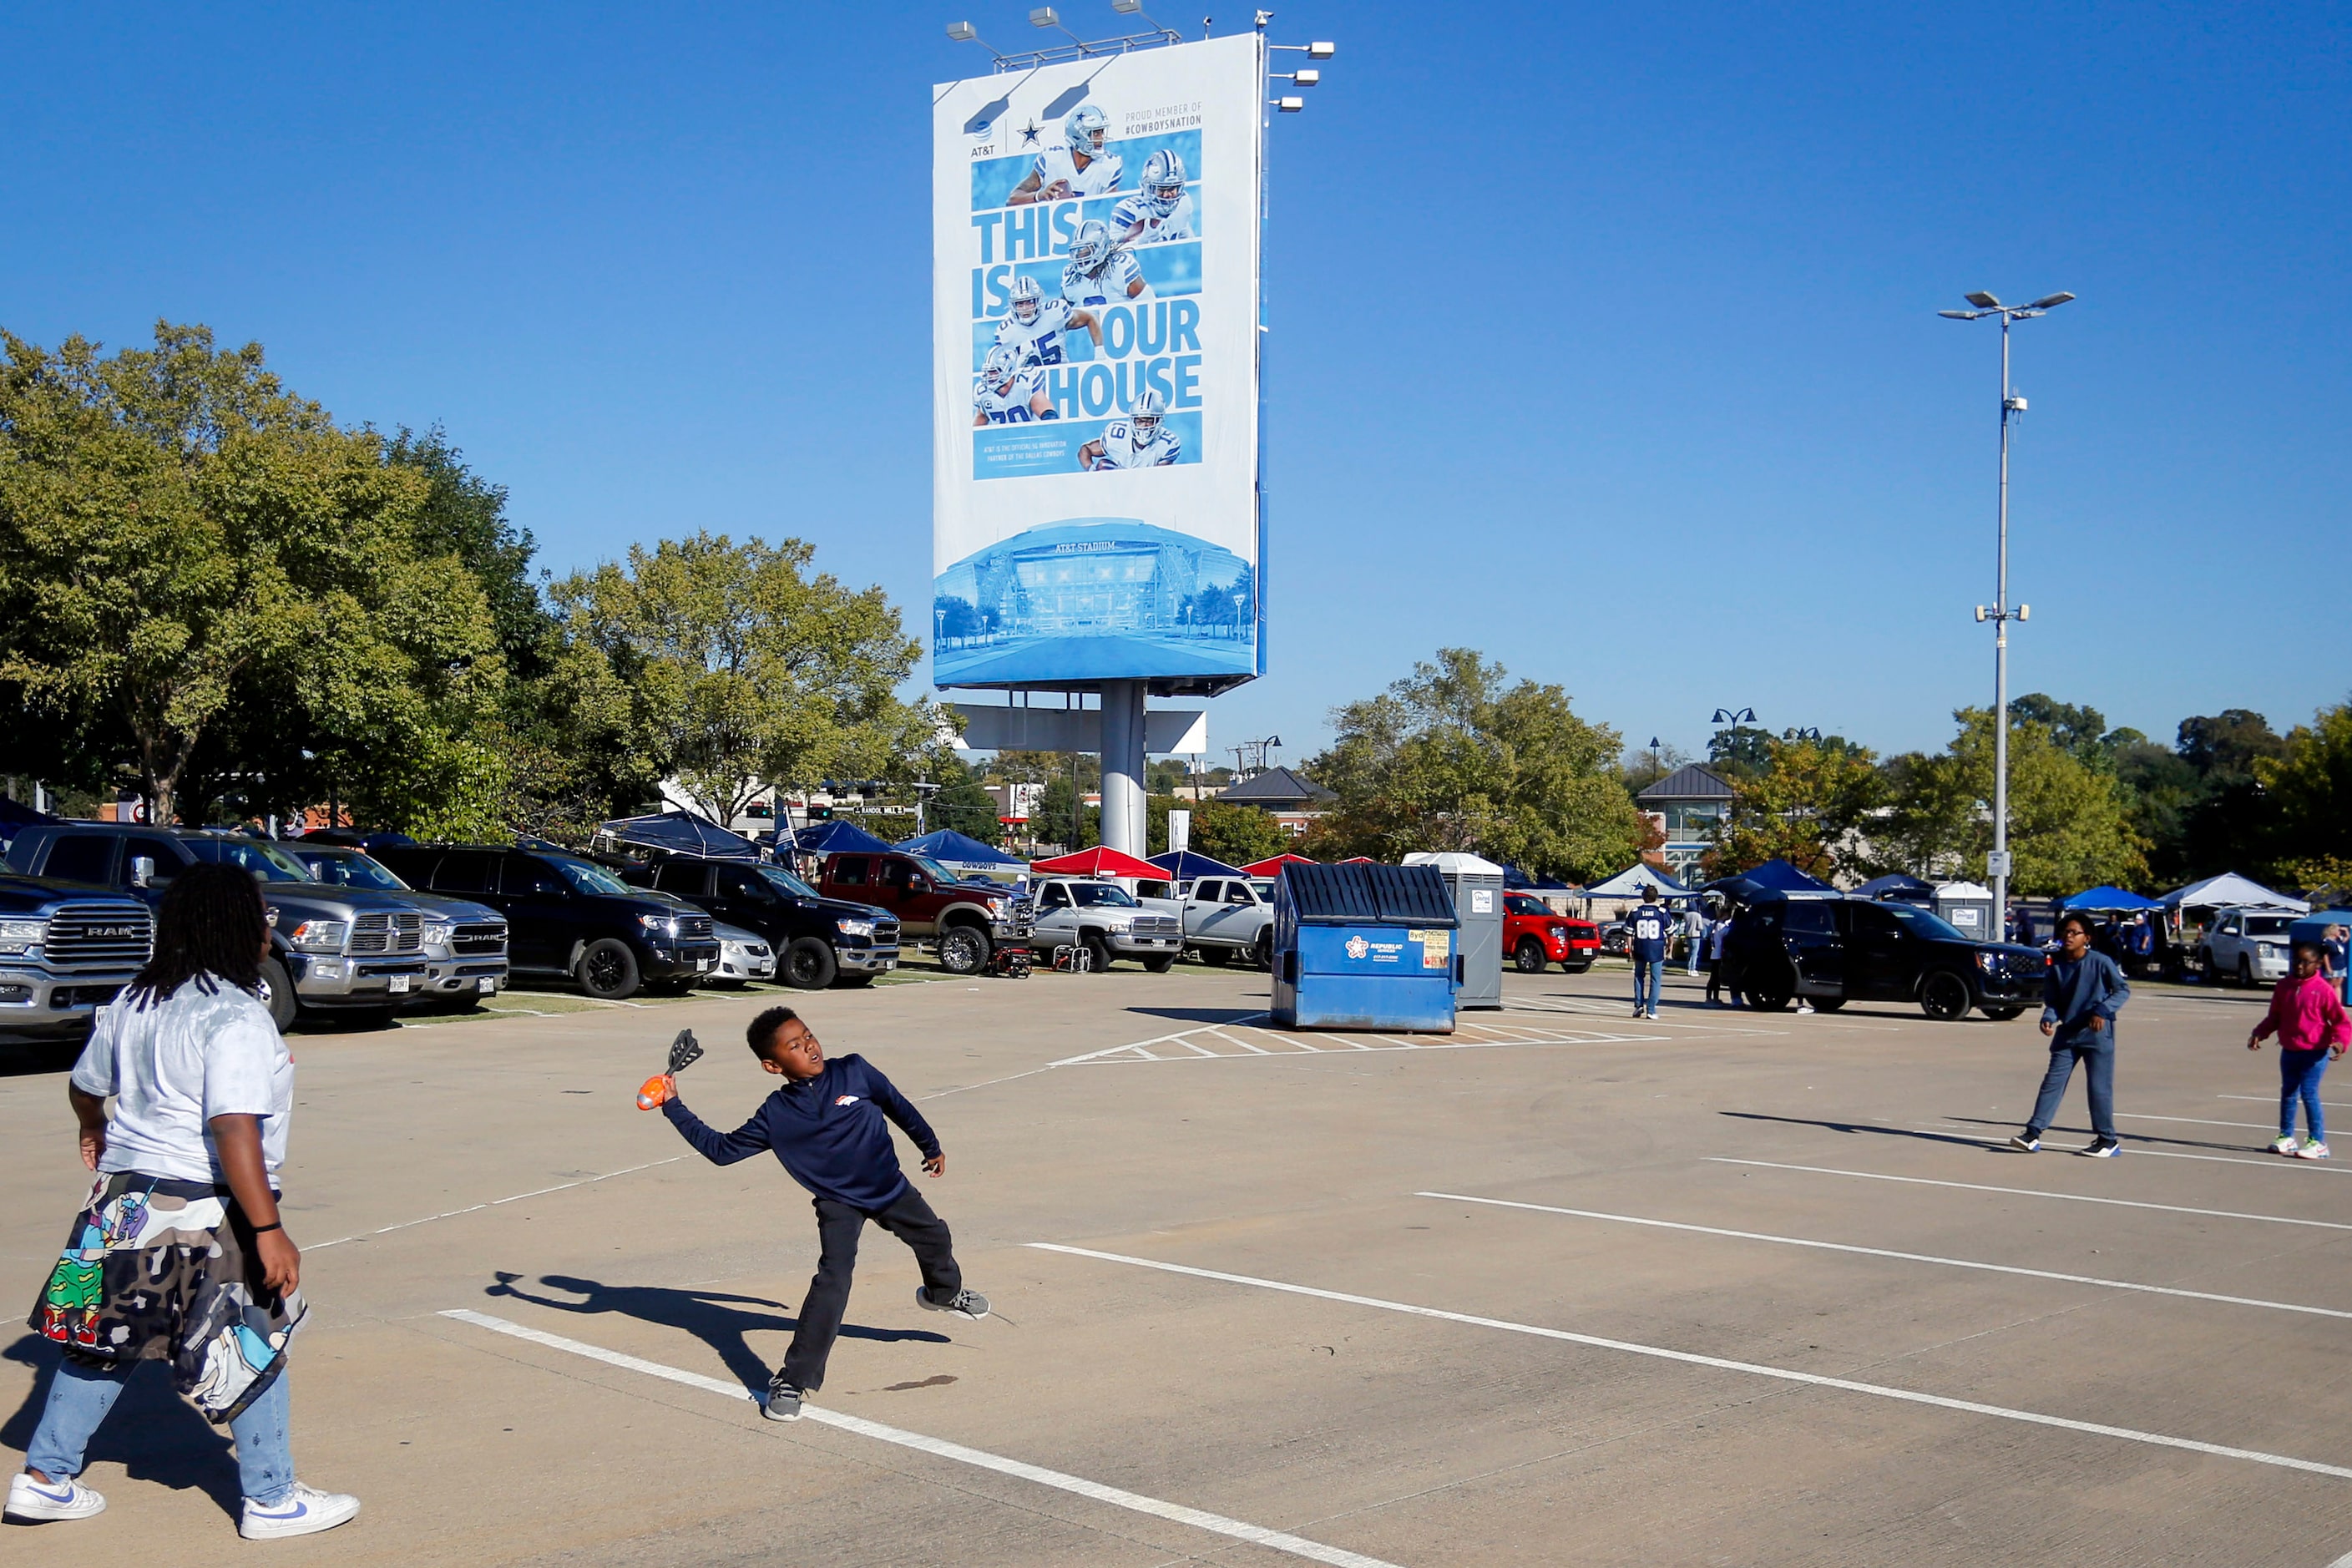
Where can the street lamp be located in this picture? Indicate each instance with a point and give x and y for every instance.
(1998, 613)
(1734, 716)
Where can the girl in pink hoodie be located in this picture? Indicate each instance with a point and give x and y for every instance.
(2308, 1017)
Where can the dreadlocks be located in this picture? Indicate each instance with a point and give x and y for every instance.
(212, 926)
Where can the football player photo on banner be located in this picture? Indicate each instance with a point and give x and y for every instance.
(1095, 332)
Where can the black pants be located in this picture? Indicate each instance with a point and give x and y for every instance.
(908, 1218)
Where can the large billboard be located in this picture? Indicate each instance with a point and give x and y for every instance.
(1095, 332)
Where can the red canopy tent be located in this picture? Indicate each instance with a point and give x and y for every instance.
(1098, 862)
(1360, 860)
(1273, 865)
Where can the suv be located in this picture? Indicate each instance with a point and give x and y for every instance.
(1105, 919)
(464, 950)
(568, 916)
(1535, 935)
(331, 950)
(1229, 916)
(64, 950)
(965, 920)
(2248, 946)
(1833, 950)
(818, 940)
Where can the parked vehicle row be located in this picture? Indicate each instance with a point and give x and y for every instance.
(1831, 949)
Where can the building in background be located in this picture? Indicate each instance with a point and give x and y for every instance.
(1292, 799)
(1690, 806)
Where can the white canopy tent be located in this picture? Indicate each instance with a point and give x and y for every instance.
(1628, 884)
(2230, 891)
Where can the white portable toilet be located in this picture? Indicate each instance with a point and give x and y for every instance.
(1477, 887)
(1968, 908)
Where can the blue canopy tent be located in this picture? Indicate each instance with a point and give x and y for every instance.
(1783, 877)
(679, 833)
(837, 838)
(949, 847)
(2106, 900)
(1898, 888)
(1184, 866)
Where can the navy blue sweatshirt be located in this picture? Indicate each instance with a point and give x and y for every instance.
(2076, 991)
(827, 1132)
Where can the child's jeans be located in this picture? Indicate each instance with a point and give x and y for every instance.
(2299, 1073)
(80, 1396)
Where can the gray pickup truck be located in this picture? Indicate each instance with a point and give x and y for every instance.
(464, 949)
(66, 948)
(350, 951)
(1105, 919)
(1230, 917)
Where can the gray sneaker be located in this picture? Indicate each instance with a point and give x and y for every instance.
(967, 1304)
(783, 1401)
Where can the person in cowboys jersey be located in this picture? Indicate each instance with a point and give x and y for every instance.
(1141, 440)
(1161, 210)
(1006, 393)
(1081, 166)
(1034, 330)
(1099, 272)
(1651, 928)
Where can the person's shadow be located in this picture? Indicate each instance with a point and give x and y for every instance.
(152, 1432)
(717, 1318)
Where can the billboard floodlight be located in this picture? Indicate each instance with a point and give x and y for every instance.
(1981, 299)
(963, 32)
(1290, 105)
(1321, 51)
(1127, 7)
(1305, 79)
(2050, 301)
(1959, 315)
(1044, 16)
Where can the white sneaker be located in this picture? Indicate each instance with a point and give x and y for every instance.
(2283, 1143)
(2313, 1149)
(41, 1502)
(305, 1510)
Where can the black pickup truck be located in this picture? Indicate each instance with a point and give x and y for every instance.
(1830, 950)
(819, 942)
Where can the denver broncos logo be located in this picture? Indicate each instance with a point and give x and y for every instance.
(846, 1100)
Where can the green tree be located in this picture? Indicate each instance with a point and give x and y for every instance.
(1451, 757)
(1237, 834)
(1062, 819)
(1806, 806)
(2310, 786)
(742, 668)
(2069, 825)
(962, 802)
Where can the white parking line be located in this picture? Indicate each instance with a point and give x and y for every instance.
(1790, 1375)
(2031, 1192)
(1905, 1257)
(1234, 1529)
(494, 1203)
(2272, 1100)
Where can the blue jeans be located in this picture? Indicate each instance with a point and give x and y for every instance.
(2097, 1055)
(80, 1397)
(2299, 1074)
(1649, 974)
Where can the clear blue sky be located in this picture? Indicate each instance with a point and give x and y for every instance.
(1603, 337)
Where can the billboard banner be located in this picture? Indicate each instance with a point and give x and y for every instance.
(1095, 315)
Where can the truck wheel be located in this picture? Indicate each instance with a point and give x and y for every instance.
(1261, 950)
(1944, 996)
(963, 950)
(608, 970)
(2001, 1015)
(1528, 956)
(1098, 947)
(2245, 972)
(1575, 965)
(808, 964)
(1159, 965)
(1773, 995)
(1214, 957)
(278, 994)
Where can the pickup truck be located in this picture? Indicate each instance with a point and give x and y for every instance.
(2248, 946)
(1228, 917)
(464, 950)
(1536, 936)
(1105, 919)
(66, 948)
(963, 921)
(818, 942)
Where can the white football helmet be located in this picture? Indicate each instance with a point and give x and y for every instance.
(1164, 181)
(1144, 418)
(1091, 248)
(997, 371)
(1086, 128)
(1027, 299)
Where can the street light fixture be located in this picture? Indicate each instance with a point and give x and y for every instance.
(1999, 612)
(1734, 716)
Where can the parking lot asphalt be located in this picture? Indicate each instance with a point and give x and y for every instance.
(1568, 1287)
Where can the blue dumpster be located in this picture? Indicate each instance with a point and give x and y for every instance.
(1364, 947)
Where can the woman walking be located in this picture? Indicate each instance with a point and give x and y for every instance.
(2308, 1017)
(2080, 998)
(180, 1256)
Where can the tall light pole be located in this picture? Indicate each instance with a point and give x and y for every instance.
(1982, 305)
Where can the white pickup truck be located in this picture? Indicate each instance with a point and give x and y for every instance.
(1105, 919)
(1228, 915)
(2246, 945)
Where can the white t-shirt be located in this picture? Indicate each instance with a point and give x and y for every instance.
(178, 1063)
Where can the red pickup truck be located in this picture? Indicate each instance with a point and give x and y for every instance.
(1535, 936)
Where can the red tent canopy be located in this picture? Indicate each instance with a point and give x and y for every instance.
(1271, 867)
(1360, 860)
(1098, 862)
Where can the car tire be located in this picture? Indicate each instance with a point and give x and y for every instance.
(808, 964)
(1945, 997)
(2001, 1015)
(1100, 950)
(1261, 950)
(277, 993)
(963, 950)
(1159, 965)
(1528, 957)
(608, 970)
(1570, 966)
(2245, 972)
(1214, 957)
(1827, 1004)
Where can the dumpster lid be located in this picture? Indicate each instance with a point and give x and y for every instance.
(1361, 895)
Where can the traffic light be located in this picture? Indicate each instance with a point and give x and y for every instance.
(820, 813)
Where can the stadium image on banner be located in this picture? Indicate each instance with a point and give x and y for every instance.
(1095, 472)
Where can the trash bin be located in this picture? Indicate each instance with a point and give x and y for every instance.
(1364, 947)
(1475, 887)
(1967, 906)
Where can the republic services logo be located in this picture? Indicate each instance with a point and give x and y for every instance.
(1358, 947)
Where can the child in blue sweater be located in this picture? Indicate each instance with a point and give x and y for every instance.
(826, 1127)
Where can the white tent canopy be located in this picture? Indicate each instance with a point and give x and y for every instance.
(1629, 884)
(1454, 862)
(2226, 890)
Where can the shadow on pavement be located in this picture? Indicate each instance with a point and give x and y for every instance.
(715, 1316)
(2128, 1137)
(1953, 1138)
(152, 1433)
(1202, 1015)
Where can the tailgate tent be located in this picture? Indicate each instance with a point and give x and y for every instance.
(1184, 865)
(1273, 864)
(837, 838)
(963, 854)
(2108, 901)
(2229, 889)
(1783, 877)
(1098, 862)
(1629, 884)
(1898, 888)
(679, 833)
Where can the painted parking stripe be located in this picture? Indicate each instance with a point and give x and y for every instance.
(1258, 1535)
(1721, 1364)
(1905, 1257)
(2031, 1192)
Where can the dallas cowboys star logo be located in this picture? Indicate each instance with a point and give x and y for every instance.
(1029, 134)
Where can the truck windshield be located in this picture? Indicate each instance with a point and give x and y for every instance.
(2268, 925)
(267, 862)
(588, 878)
(932, 869)
(1920, 923)
(785, 882)
(350, 869)
(1101, 895)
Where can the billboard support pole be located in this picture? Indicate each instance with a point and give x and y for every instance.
(1122, 766)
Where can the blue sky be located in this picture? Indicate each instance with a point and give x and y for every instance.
(1602, 338)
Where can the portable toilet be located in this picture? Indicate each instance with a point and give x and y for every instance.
(1967, 906)
(1364, 947)
(1477, 888)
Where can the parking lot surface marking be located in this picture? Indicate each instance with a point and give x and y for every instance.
(2139, 1148)
(1691, 1358)
(494, 1203)
(1235, 1042)
(2031, 1192)
(1258, 1535)
(1883, 1252)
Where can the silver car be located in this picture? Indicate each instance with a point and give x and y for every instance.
(465, 947)
(743, 956)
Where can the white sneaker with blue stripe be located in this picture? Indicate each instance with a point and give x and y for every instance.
(32, 1501)
(305, 1510)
